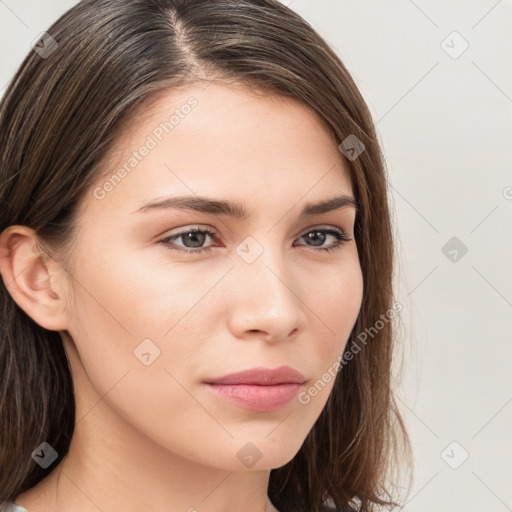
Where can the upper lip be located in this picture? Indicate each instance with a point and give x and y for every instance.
(262, 376)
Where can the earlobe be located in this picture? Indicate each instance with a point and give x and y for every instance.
(29, 275)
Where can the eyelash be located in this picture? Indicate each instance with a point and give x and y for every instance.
(340, 236)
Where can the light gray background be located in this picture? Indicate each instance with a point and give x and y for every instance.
(445, 123)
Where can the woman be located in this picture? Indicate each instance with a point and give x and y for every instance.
(195, 244)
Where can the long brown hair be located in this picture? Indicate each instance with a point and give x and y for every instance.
(59, 116)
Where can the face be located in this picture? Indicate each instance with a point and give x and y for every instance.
(159, 310)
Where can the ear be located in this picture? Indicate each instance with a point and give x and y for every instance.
(36, 282)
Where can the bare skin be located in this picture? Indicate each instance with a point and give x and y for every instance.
(154, 437)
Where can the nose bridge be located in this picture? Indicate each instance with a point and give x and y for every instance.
(266, 298)
(265, 265)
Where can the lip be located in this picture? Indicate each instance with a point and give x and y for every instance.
(262, 377)
(259, 389)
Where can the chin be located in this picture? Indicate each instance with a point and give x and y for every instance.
(262, 453)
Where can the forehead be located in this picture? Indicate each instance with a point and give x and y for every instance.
(224, 140)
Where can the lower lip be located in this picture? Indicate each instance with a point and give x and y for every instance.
(257, 398)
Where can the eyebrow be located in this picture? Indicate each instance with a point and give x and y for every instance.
(237, 210)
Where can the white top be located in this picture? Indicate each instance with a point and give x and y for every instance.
(12, 507)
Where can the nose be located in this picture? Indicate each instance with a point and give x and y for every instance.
(266, 301)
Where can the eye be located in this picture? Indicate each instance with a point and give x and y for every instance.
(318, 235)
(196, 237)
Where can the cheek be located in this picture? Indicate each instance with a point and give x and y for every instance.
(126, 314)
(336, 309)
(337, 303)
(127, 308)
(137, 297)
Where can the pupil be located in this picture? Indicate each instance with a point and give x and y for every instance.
(319, 239)
(191, 236)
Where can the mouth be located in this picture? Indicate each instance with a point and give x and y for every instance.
(259, 389)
